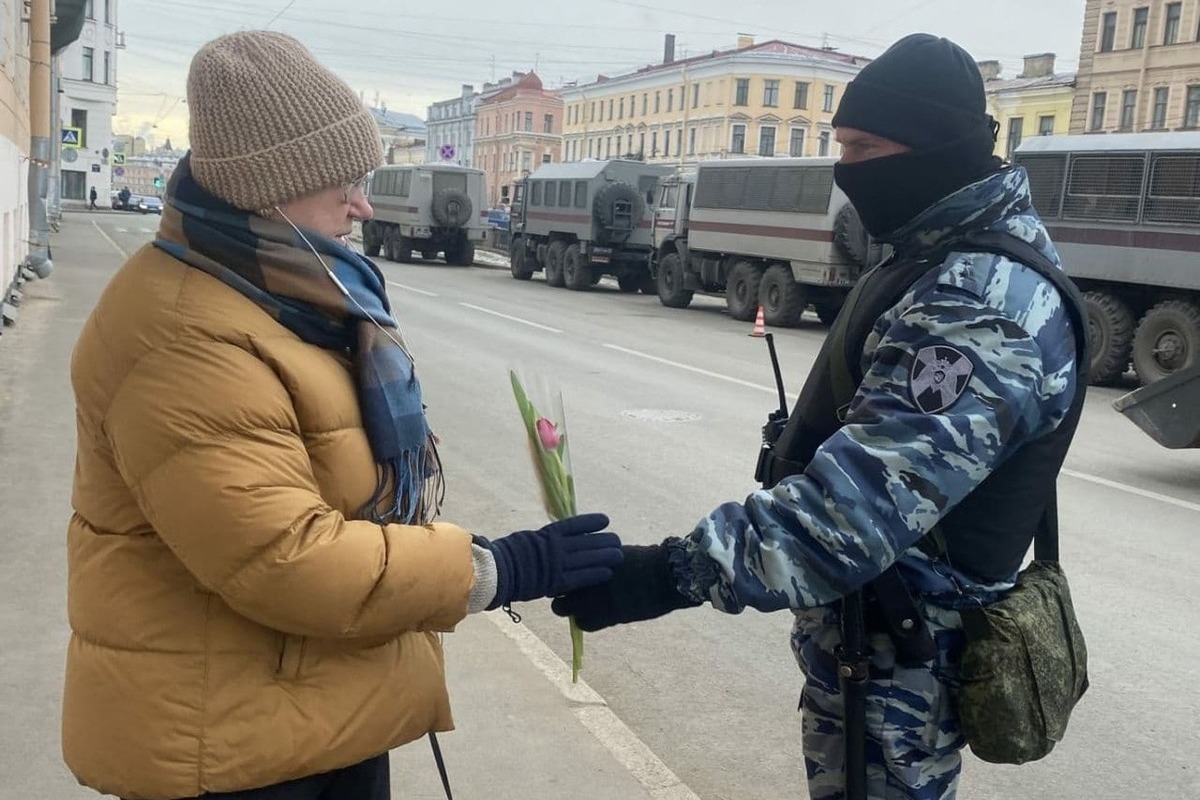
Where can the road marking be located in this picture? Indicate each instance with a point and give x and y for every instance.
(708, 373)
(594, 714)
(109, 239)
(1124, 487)
(537, 325)
(412, 289)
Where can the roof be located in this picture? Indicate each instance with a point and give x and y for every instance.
(1112, 142)
(398, 120)
(1066, 79)
(583, 170)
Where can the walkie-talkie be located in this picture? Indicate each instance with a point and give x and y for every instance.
(776, 420)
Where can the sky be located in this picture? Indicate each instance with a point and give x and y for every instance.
(404, 55)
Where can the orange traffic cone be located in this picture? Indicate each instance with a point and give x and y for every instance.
(760, 327)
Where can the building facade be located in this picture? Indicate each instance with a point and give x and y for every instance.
(87, 102)
(403, 136)
(1035, 103)
(516, 129)
(1139, 67)
(450, 129)
(14, 142)
(769, 99)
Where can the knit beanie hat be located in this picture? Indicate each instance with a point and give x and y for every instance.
(922, 92)
(268, 123)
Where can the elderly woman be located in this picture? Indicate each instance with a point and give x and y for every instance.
(256, 582)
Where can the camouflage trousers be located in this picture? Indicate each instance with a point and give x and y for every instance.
(913, 736)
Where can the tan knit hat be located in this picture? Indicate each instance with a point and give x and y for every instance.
(269, 124)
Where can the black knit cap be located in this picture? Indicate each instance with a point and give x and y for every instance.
(924, 91)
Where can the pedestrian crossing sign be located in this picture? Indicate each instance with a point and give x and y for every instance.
(72, 137)
(118, 159)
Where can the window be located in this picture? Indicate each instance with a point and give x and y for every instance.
(535, 193)
(89, 59)
(1159, 118)
(766, 141)
(828, 107)
(590, 153)
(608, 147)
(581, 194)
(738, 145)
(529, 120)
(592, 112)
(74, 184)
(641, 145)
(1174, 192)
(796, 146)
(629, 144)
(1191, 115)
(548, 123)
(692, 140)
(108, 10)
(794, 189)
(823, 144)
(770, 93)
(107, 67)
(632, 104)
(1104, 187)
(653, 144)
(1099, 101)
(621, 109)
(741, 95)
(645, 101)
(545, 158)
(564, 194)
(1108, 32)
(695, 95)
(79, 120)
(666, 143)
(670, 99)
(1016, 128)
(1046, 125)
(610, 108)
(1140, 17)
(657, 102)
(89, 9)
(526, 160)
(679, 141)
(801, 98)
(1128, 108)
(1171, 26)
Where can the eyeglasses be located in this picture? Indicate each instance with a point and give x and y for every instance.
(354, 188)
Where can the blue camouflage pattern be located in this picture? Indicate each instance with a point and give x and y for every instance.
(875, 487)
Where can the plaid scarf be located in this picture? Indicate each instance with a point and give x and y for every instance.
(271, 264)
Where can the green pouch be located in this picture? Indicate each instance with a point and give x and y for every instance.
(1023, 670)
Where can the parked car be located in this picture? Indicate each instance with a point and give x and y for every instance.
(147, 205)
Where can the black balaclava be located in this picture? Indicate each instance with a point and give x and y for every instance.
(926, 93)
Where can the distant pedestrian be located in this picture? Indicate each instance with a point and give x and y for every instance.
(257, 585)
(92, 196)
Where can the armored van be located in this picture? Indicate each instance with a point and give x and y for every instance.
(432, 209)
(579, 221)
(775, 232)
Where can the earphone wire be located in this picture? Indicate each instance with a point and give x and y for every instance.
(342, 288)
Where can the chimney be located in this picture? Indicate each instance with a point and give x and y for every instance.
(745, 40)
(669, 48)
(467, 90)
(990, 70)
(1040, 65)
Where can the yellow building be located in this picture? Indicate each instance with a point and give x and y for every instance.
(1035, 103)
(769, 99)
(14, 145)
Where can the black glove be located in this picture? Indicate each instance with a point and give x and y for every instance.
(643, 587)
(561, 557)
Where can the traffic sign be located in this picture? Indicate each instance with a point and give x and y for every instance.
(119, 172)
(72, 137)
(118, 159)
(447, 152)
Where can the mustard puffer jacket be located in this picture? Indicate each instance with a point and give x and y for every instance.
(232, 625)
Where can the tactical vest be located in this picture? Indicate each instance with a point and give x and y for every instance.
(988, 533)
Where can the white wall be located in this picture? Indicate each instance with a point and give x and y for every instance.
(14, 210)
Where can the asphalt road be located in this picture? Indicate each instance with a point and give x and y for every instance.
(664, 408)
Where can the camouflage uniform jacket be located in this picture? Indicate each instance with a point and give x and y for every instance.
(893, 470)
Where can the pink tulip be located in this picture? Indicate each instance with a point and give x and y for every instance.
(548, 434)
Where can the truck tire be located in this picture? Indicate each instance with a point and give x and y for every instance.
(554, 263)
(852, 239)
(451, 208)
(613, 197)
(741, 291)
(464, 254)
(670, 283)
(518, 260)
(577, 273)
(371, 241)
(781, 297)
(1110, 336)
(403, 249)
(1167, 340)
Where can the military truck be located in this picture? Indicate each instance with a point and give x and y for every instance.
(1124, 212)
(431, 209)
(775, 232)
(579, 221)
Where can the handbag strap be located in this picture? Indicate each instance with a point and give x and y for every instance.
(441, 764)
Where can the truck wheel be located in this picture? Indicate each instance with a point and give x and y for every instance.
(554, 263)
(403, 249)
(781, 297)
(577, 275)
(670, 282)
(371, 243)
(464, 254)
(741, 291)
(451, 208)
(518, 260)
(618, 208)
(828, 310)
(1167, 340)
(1110, 336)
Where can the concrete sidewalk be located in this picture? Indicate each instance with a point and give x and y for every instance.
(524, 732)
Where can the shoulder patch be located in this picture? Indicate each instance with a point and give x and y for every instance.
(938, 377)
